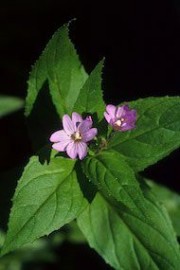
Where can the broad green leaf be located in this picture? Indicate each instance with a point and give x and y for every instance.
(156, 135)
(125, 226)
(9, 104)
(47, 197)
(90, 97)
(60, 65)
(171, 201)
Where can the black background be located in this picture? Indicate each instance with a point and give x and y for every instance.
(139, 39)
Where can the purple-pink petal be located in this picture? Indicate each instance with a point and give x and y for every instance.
(76, 118)
(127, 126)
(59, 135)
(85, 126)
(120, 112)
(61, 146)
(89, 135)
(126, 108)
(68, 125)
(111, 109)
(131, 116)
(107, 117)
(72, 150)
(81, 149)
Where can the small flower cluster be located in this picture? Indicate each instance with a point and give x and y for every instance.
(77, 132)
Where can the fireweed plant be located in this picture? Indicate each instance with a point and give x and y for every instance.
(93, 174)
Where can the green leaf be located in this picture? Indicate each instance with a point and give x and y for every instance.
(125, 226)
(9, 104)
(156, 135)
(90, 97)
(60, 65)
(171, 201)
(47, 197)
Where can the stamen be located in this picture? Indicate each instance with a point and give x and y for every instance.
(118, 123)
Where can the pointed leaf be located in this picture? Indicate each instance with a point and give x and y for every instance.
(9, 104)
(90, 97)
(47, 197)
(125, 226)
(60, 65)
(156, 135)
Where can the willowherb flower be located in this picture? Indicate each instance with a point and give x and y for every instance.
(121, 118)
(74, 136)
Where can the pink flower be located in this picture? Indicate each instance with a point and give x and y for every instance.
(120, 118)
(74, 136)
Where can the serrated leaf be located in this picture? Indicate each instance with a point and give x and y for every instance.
(156, 135)
(47, 197)
(171, 201)
(60, 65)
(90, 97)
(125, 226)
(9, 104)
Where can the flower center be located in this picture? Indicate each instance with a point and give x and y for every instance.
(118, 123)
(76, 136)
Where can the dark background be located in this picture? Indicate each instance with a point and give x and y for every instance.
(139, 39)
